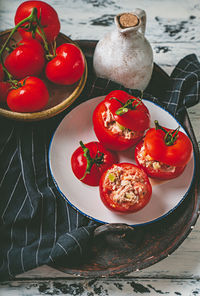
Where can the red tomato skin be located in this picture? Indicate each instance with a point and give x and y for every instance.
(178, 154)
(110, 140)
(4, 89)
(157, 174)
(110, 204)
(1, 73)
(49, 19)
(30, 97)
(79, 163)
(26, 60)
(137, 119)
(67, 67)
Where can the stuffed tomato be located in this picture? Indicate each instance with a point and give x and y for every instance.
(90, 160)
(163, 153)
(120, 120)
(125, 188)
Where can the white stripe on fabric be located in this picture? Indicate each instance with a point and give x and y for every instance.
(42, 197)
(75, 241)
(40, 238)
(172, 103)
(177, 78)
(184, 70)
(193, 64)
(92, 88)
(5, 143)
(62, 248)
(174, 91)
(23, 175)
(11, 234)
(51, 258)
(22, 250)
(55, 198)
(192, 95)
(77, 215)
(5, 173)
(11, 197)
(197, 88)
(86, 230)
(68, 216)
(172, 96)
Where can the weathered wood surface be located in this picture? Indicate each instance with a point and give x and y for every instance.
(173, 29)
(102, 287)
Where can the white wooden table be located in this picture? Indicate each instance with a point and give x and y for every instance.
(173, 29)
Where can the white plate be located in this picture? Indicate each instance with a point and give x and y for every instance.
(76, 126)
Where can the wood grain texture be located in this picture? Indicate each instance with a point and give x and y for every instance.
(173, 29)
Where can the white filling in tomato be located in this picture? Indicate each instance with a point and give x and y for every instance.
(116, 128)
(127, 185)
(147, 161)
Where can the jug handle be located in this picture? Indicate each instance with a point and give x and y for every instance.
(141, 14)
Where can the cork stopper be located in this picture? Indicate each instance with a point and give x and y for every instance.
(127, 20)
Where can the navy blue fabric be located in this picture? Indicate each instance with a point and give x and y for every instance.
(37, 225)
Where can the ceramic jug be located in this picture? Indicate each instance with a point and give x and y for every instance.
(125, 55)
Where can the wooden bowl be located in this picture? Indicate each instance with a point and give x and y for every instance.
(60, 96)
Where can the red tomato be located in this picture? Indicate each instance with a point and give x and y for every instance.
(169, 146)
(1, 73)
(136, 117)
(26, 60)
(49, 19)
(120, 125)
(4, 89)
(31, 96)
(89, 161)
(67, 66)
(153, 168)
(125, 188)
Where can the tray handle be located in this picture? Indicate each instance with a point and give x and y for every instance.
(115, 228)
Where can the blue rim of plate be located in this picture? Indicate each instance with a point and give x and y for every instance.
(103, 222)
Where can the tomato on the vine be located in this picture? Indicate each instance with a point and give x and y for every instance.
(67, 66)
(30, 95)
(47, 15)
(89, 161)
(125, 188)
(120, 120)
(27, 59)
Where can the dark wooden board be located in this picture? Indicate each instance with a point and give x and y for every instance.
(120, 249)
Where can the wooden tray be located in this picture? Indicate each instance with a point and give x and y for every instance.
(118, 249)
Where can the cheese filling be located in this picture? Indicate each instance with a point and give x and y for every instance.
(147, 161)
(116, 128)
(127, 186)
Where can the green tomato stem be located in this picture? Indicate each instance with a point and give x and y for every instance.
(98, 159)
(31, 17)
(49, 56)
(170, 136)
(88, 158)
(126, 106)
